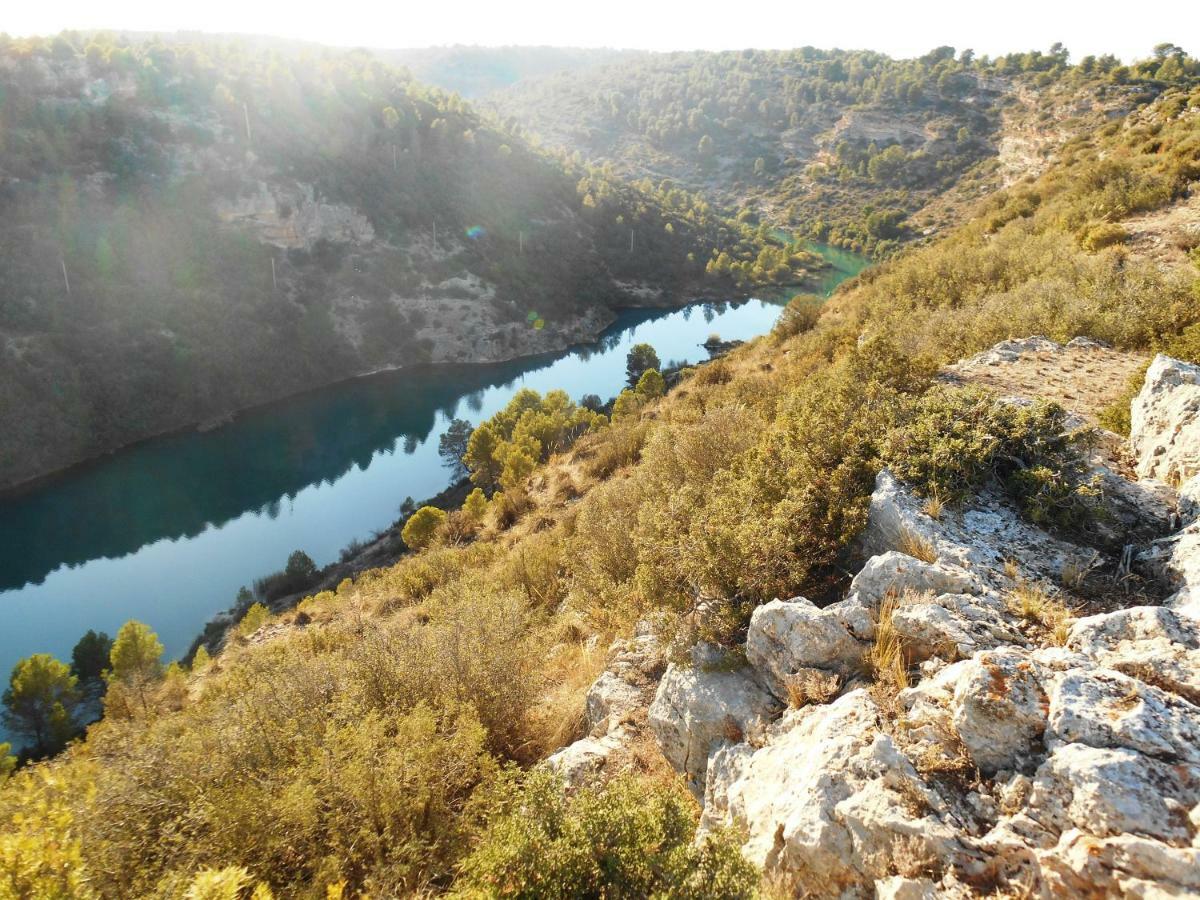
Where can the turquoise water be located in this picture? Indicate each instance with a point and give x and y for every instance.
(167, 531)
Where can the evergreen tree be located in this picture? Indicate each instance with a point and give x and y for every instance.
(89, 659)
(640, 358)
(40, 703)
(452, 446)
(136, 662)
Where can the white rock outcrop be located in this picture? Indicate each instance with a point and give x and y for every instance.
(1046, 771)
(1165, 422)
(789, 636)
(624, 688)
(695, 711)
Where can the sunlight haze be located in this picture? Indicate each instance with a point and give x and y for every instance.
(902, 30)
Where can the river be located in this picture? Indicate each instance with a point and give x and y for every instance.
(167, 531)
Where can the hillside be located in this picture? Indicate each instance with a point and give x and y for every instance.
(192, 228)
(846, 147)
(859, 604)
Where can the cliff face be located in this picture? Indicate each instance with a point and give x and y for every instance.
(1043, 744)
(191, 230)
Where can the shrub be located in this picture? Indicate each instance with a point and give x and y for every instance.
(475, 507)
(1106, 234)
(956, 440)
(255, 618)
(628, 839)
(422, 526)
(798, 316)
(651, 385)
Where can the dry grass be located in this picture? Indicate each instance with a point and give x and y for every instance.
(916, 545)
(569, 670)
(1075, 572)
(933, 506)
(1035, 605)
(888, 659)
(810, 686)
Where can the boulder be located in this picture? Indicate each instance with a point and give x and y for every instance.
(609, 699)
(786, 636)
(1165, 422)
(1106, 792)
(980, 538)
(695, 711)
(999, 709)
(953, 625)
(1103, 708)
(897, 572)
(1126, 865)
(583, 761)
(827, 800)
(897, 887)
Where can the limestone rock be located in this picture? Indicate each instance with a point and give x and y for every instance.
(608, 699)
(898, 572)
(1107, 792)
(695, 711)
(582, 761)
(999, 709)
(1165, 422)
(897, 887)
(827, 799)
(1125, 865)
(953, 624)
(1103, 708)
(786, 636)
(979, 538)
(625, 686)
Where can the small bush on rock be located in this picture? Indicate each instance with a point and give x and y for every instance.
(956, 440)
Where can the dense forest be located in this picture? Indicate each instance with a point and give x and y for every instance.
(193, 227)
(842, 146)
(380, 739)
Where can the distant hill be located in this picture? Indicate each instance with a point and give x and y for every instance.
(850, 147)
(194, 226)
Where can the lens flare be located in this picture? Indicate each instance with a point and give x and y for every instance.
(475, 232)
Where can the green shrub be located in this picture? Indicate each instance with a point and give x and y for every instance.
(626, 840)
(256, 616)
(798, 316)
(956, 440)
(1116, 416)
(1106, 234)
(422, 526)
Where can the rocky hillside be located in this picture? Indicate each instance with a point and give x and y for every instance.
(897, 600)
(854, 148)
(193, 228)
(1046, 744)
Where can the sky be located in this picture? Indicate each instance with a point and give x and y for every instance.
(898, 28)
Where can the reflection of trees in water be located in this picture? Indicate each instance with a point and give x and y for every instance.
(177, 486)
